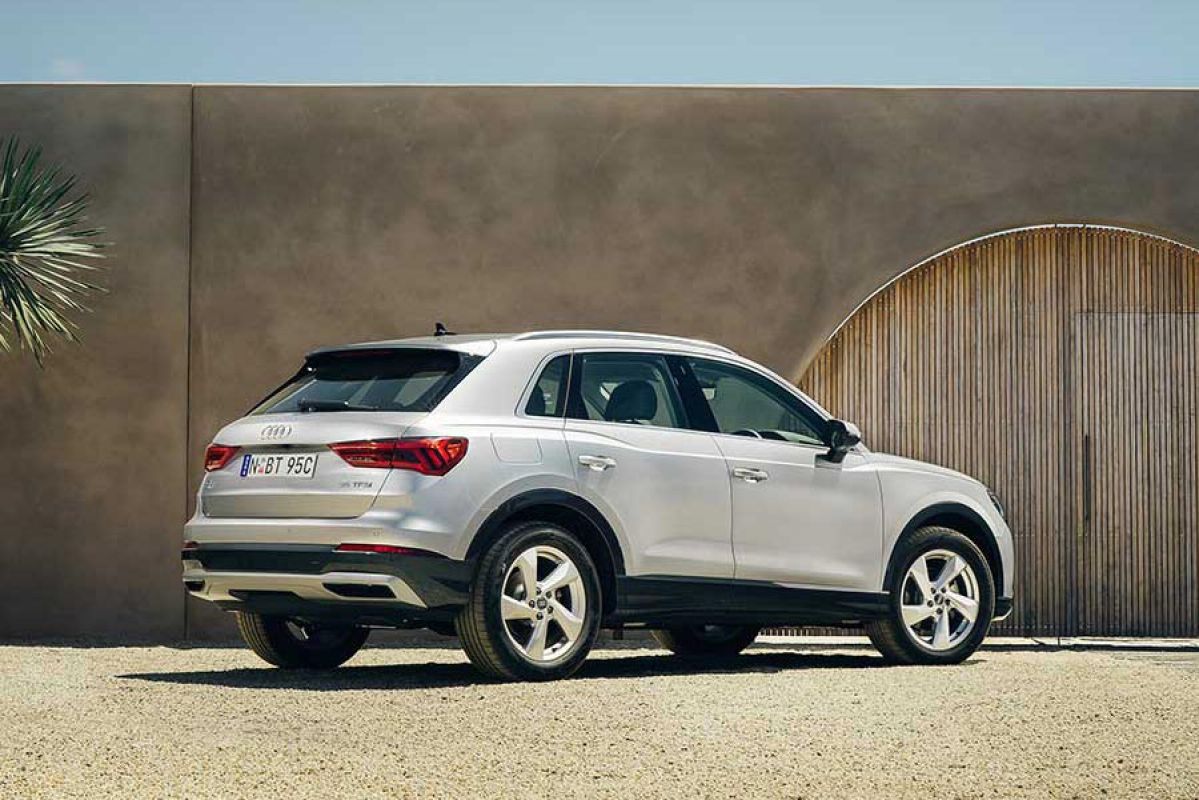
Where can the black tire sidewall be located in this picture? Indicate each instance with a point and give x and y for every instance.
(286, 650)
(491, 587)
(921, 542)
(688, 642)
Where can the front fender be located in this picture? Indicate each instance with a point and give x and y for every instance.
(908, 507)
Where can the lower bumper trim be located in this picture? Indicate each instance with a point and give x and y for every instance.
(317, 581)
(361, 613)
(225, 586)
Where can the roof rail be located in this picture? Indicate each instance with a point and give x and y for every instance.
(630, 336)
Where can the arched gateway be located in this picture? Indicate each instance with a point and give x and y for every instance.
(1060, 365)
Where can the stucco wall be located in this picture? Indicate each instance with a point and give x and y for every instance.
(93, 446)
(756, 217)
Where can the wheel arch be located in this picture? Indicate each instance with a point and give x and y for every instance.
(571, 512)
(964, 520)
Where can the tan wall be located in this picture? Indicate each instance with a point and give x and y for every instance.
(93, 447)
(755, 217)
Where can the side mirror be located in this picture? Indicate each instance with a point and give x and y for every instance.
(842, 436)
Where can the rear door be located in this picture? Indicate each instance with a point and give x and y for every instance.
(665, 486)
(796, 518)
(283, 465)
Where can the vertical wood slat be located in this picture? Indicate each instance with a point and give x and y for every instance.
(997, 358)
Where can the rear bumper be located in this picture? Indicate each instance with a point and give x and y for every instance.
(315, 582)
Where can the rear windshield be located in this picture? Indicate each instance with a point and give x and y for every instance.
(371, 380)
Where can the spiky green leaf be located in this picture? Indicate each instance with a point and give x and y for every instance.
(45, 250)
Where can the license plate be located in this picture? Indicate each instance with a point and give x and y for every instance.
(278, 465)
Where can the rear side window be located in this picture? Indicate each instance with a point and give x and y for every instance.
(548, 398)
(371, 380)
(632, 388)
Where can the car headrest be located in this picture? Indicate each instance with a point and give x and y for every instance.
(632, 401)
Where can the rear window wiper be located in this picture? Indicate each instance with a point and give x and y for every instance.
(332, 405)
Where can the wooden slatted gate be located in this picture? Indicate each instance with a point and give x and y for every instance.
(1134, 412)
(1060, 366)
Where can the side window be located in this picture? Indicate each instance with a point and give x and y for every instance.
(631, 388)
(548, 398)
(746, 403)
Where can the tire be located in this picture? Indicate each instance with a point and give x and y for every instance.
(935, 629)
(519, 638)
(707, 640)
(291, 645)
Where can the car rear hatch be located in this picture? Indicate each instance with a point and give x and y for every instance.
(287, 458)
(284, 466)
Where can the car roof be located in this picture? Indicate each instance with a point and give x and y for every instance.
(484, 342)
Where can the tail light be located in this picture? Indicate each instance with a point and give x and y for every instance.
(388, 549)
(428, 456)
(217, 456)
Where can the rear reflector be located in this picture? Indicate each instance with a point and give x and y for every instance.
(428, 456)
(389, 549)
(217, 456)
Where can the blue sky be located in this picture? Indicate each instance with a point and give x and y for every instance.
(868, 42)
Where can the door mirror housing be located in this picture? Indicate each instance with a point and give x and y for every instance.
(842, 437)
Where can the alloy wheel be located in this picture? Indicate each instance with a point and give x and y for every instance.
(543, 604)
(939, 601)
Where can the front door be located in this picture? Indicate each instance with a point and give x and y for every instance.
(796, 518)
(664, 487)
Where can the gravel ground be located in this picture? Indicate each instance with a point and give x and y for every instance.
(636, 723)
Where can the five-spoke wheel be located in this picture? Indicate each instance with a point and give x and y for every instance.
(543, 603)
(534, 608)
(942, 600)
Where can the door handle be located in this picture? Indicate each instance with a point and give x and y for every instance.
(597, 463)
(750, 475)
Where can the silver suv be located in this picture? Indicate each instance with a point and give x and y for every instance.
(524, 491)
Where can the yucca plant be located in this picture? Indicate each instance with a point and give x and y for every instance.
(45, 252)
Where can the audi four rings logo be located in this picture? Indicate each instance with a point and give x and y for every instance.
(275, 432)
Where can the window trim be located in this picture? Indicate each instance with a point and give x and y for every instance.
(692, 395)
(574, 397)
